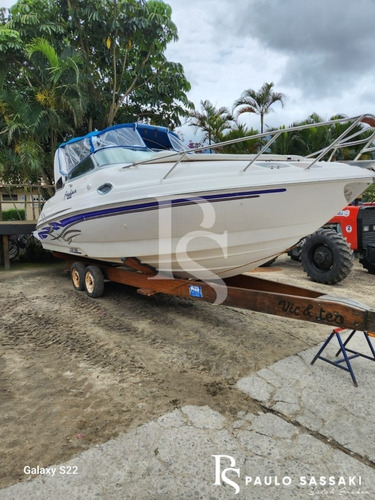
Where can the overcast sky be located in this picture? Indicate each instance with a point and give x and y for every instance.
(319, 53)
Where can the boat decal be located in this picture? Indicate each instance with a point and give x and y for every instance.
(69, 194)
(145, 206)
(66, 235)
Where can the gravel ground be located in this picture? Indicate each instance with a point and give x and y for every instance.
(76, 371)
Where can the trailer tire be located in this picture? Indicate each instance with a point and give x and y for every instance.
(94, 281)
(326, 257)
(77, 275)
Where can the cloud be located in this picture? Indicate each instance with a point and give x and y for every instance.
(317, 52)
(326, 43)
(219, 64)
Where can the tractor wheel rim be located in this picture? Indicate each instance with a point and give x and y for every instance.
(323, 258)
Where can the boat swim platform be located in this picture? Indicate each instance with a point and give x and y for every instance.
(8, 228)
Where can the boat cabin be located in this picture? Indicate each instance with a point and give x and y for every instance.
(126, 143)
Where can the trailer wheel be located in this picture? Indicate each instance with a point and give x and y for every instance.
(326, 257)
(77, 275)
(94, 281)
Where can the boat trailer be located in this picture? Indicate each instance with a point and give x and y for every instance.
(242, 291)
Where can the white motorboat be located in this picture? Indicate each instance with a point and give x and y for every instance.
(134, 190)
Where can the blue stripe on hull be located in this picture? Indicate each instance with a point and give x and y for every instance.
(153, 205)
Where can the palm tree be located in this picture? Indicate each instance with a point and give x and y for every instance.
(301, 142)
(237, 131)
(259, 102)
(21, 149)
(35, 117)
(213, 122)
(55, 84)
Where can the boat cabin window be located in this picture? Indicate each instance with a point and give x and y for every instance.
(110, 156)
(82, 168)
(59, 183)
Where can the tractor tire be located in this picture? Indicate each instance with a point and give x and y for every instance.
(295, 252)
(370, 266)
(326, 257)
(368, 260)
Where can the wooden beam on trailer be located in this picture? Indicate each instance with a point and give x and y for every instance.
(246, 292)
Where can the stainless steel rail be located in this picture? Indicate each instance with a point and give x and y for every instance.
(344, 140)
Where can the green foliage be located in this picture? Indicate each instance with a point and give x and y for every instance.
(14, 214)
(218, 125)
(68, 67)
(9, 39)
(244, 147)
(369, 194)
(313, 139)
(213, 122)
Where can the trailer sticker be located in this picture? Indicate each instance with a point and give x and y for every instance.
(348, 229)
(195, 291)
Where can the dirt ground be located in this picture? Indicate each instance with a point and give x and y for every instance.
(76, 371)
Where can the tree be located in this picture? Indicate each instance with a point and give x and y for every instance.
(68, 67)
(302, 142)
(313, 139)
(125, 73)
(259, 102)
(44, 105)
(213, 122)
(239, 131)
(122, 43)
(55, 83)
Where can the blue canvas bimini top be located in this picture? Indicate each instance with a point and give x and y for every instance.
(127, 135)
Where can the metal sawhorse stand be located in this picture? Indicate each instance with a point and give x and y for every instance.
(344, 349)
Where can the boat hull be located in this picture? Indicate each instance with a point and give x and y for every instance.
(210, 235)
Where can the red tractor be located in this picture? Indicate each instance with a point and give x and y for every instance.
(327, 255)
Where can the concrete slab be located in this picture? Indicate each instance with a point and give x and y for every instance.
(173, 457)
(314, 439)
(321, 397)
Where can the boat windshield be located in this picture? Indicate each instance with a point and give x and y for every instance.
(126, 143)
(110, 156)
